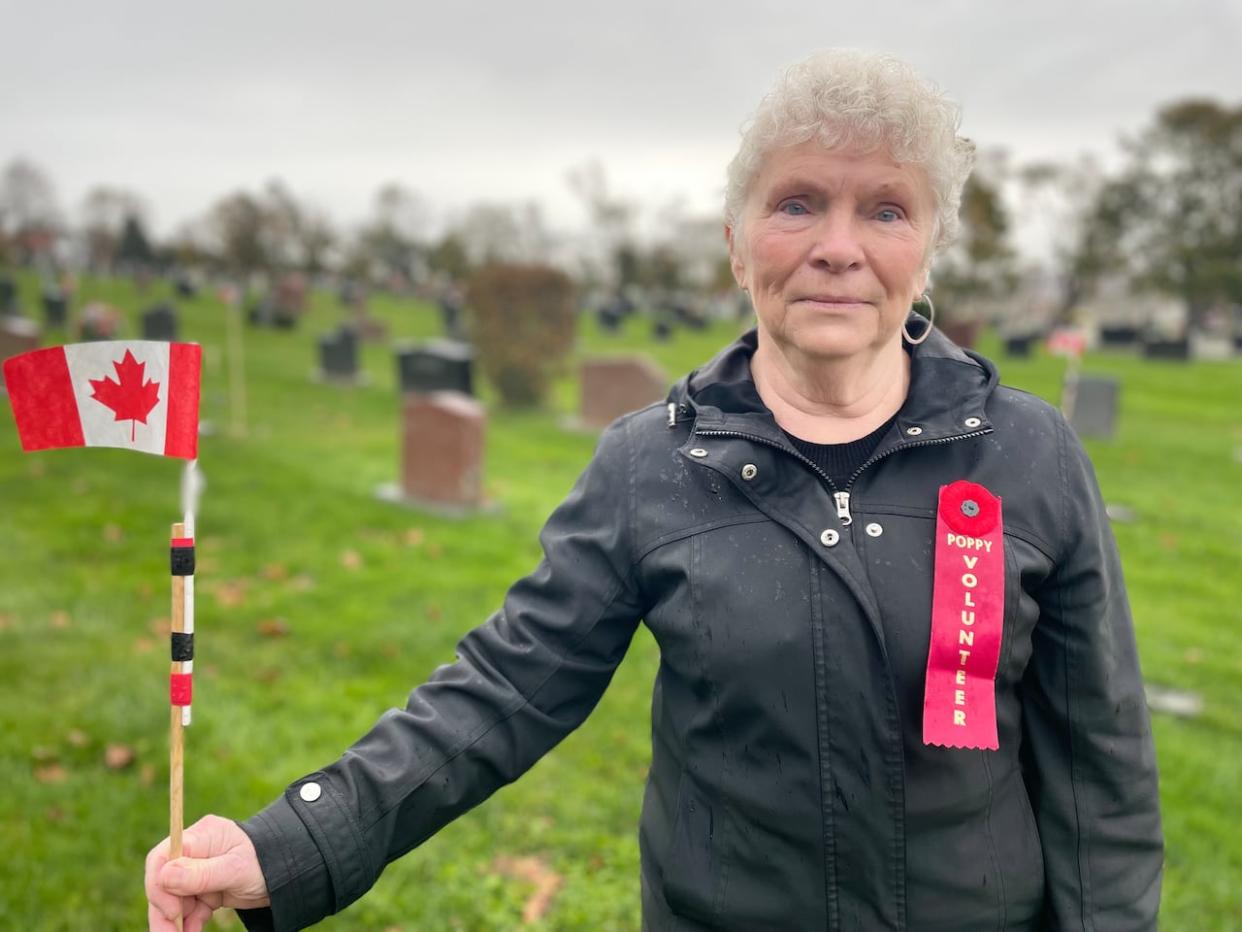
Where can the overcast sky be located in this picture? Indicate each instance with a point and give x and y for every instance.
(496, 101)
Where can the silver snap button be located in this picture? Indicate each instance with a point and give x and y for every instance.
(698, 452)
(914, 431)
(973, 422)
(874, 530)
(749, 471)
(310, 791)
(829, 538)
(970, 508)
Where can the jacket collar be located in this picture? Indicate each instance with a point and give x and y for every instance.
(949, 388)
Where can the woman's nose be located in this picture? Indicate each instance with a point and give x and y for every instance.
(836, 244)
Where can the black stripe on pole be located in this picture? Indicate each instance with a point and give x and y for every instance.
(182, 647)
(182, 559)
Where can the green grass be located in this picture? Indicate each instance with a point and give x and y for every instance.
(290, 530)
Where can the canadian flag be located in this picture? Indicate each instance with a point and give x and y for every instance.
(134, 394)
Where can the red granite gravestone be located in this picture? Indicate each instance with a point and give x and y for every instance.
(17, 335)
(442, 449)
(615, 386)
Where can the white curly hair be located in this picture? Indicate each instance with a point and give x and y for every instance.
(849, 98)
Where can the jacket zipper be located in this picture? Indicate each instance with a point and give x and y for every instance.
(842, 496)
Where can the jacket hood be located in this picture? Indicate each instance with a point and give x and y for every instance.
(949, 388)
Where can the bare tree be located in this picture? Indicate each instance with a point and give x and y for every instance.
(104, 213)
(29, 212)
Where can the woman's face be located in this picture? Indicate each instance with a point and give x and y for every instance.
(833, 249)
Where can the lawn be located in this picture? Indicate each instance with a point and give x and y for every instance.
(320, 606)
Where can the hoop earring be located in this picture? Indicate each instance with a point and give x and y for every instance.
(931, 318)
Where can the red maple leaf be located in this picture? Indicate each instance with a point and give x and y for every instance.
(129, 398)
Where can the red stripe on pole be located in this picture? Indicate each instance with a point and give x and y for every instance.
(180, 686)
(183, 542)
(184, 365)
(44, 405)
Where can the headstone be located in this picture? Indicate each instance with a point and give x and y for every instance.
(1092, 403)
(17, 335)
(55, 307)
(436, 366)
(1211, 346)
(614, 386)
(1178, 350)
(1119, 336)
(338, 355)
(8, 295)
(1019, 346)
(442, 450)
(450, 314)
(185, 285)
(661, 330)
(160, 323)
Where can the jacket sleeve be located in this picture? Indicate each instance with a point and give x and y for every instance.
(522, 682)
(1089, 761)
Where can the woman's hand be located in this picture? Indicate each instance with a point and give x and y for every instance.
(218, 868)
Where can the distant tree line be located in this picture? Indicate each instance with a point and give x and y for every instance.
(1169, 219)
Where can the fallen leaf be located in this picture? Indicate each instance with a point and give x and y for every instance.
(119, 756)
(275, 571)
(535, 871)
(434, 613)
(414, 537)
(160, 627)
(54, 814)
(231, 593)
(6, 622)
(342, 649)
(37, 468)
(145, 590)
(77, 738)
(268, 675)
(52, 773)
(43, 753)
(273, 627)
(1168, 541)
(434, 551)
(390, 650)
(144, 646)
(350, 559)
(113, 534)
(1193, 655)
(60, 620)
(146, 774)
(302, 583)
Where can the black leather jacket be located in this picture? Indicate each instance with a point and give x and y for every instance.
(789, 786)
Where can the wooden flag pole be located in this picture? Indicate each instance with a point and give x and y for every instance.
(176, 734)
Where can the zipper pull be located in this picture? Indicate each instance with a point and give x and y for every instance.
(843, 507)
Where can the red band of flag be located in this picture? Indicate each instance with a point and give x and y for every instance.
(180, 687)
(183, 542)
(968, 607)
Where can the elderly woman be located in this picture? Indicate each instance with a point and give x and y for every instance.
(898, 684)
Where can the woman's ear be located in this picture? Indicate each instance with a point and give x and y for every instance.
(736, 263)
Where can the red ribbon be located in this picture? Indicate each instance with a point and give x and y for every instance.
(968, 608)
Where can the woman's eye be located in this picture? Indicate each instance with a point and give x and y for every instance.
(888, 215)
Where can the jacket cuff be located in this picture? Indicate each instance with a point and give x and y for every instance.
(294, 870)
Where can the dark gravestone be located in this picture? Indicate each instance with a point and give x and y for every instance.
(1178, 350)
(450, 314)
(1119, 336)
(55, 307)
(661, 329)
(185, 286)
(8, 296)
(1093, 405)
(1019, 346)
(437, 366)
(160, 323)
(338, 355)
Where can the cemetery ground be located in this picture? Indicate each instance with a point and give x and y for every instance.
(320, 606)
